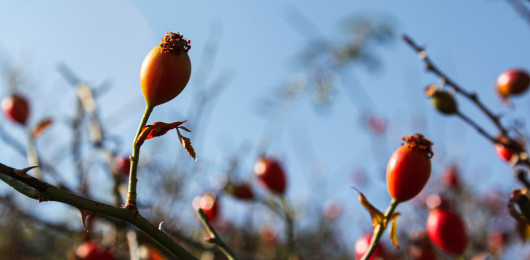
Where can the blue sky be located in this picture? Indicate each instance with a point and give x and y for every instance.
(472, 41)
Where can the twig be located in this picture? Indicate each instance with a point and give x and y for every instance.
(429, 66)
(214, 237)
(12, 208)
(477, 127)
(473, 98)
(43, 191)
(521, 9)
(380, 230)
(289, 224)
(521, 176)
(522, 168)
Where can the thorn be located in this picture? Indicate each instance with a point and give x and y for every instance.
(355, 188)
(84, 215)
(24, 172)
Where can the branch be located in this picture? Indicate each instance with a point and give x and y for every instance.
(478, 128)
(43, 191)
(429, 66)
(213, 237)
(521, 9)
(522, 156)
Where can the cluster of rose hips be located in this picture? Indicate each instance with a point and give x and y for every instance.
(166, 71)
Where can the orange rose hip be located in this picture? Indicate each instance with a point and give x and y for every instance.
(166, 70)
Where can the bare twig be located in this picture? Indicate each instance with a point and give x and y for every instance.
(522, 156)
(477, 127)
(214, 237)
(429, 66)
(521, 9)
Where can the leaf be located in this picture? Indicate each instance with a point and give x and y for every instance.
(393, 229)
(377, 217)
(186, 142)
(39, 129)
(156, 129)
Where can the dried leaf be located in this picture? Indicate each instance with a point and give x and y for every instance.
(39, 129)
(377, 217)
(156, 129)
(186, 142)
(24, 172)
(393, 229)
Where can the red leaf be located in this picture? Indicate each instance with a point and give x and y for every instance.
(156, 129)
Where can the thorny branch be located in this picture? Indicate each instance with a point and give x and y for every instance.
(43, 191)
(522, 156)
(430, 66)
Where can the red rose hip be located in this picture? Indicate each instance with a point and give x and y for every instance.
(208, 203)
(271, 175)
(91, 250)
(504, 152)
(409, 168)
(122, 165)
(513, 82)
(16, 108)
(447, 231)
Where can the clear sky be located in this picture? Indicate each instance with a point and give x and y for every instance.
(257, 45)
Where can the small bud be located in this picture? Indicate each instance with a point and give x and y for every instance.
(240, 191)
(442, 100)
(209, 240)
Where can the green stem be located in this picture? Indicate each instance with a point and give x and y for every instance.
(131, 195)
(289, 225)
(213, 235)
(380, 230)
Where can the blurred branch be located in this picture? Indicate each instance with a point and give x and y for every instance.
(521, 9)
(477, 127)
(289, 224)
(9, 140)
(19, 148)
(214, 237)
(7, 201)
(522, 169)
(42, 191)
(522, 157)
(429, 66)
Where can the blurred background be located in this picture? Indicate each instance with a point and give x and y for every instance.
(327, 89)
